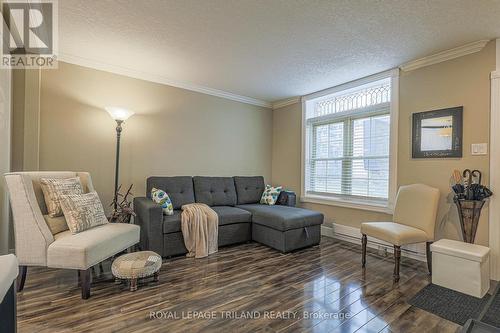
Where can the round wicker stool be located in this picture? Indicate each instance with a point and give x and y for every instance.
(137, 265)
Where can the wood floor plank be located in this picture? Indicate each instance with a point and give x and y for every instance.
(244, 288)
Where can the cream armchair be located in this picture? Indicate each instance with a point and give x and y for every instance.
(36, 245)
(414, 221)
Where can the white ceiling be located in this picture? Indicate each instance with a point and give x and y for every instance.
(268, 49)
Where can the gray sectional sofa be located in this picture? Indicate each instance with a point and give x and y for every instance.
(241, 217)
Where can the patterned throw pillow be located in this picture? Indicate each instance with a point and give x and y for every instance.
(83, 211)
(54, 188)
(161, 197)
(270, 195)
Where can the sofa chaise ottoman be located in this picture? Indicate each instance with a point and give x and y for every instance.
(284, 228)
(241, 217)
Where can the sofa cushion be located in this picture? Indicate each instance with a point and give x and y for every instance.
(249, 189)
(179, 189)
(282, 218)
(90, 247)
(215, 191)
(226, 214)
(230, 215)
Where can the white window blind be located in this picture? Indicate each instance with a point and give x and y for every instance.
(347, 143)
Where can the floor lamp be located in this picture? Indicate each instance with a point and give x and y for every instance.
(119, 115)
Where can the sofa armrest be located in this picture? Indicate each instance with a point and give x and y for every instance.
(287, 198)
(150, 218)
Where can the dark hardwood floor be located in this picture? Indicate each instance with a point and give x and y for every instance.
(325, 283)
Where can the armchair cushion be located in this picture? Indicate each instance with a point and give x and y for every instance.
(394, 233)
(90, 247)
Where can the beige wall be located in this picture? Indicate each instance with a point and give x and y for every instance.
(18, 95)
(174, 131)
(25, 119)
(462, 81)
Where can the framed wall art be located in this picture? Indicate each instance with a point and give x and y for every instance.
(438, 133)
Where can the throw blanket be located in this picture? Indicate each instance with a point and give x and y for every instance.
(200, 228)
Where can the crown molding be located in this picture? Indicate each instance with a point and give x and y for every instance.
(89, 63)
(445, 55)
(285, 102)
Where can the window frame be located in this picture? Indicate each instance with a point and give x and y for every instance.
(349, 201)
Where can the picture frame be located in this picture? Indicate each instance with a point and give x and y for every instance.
(438, 133)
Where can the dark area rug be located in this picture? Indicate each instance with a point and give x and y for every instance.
(449, 304)
(492, 315)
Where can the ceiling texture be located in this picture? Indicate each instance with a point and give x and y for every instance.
(267, 50)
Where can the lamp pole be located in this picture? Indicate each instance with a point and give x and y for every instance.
(117, 163)
(119, 115)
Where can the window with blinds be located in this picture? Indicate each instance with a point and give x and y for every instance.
(347, 143)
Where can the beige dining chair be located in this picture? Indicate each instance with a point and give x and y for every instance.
(414, 220)
(38, 245)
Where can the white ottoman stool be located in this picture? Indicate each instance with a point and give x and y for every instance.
(461, 266)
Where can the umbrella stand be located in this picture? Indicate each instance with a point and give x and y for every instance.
(469, 212)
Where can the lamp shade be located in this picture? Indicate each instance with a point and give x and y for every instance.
(118, 113)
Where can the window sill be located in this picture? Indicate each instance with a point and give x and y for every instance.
(370, 205)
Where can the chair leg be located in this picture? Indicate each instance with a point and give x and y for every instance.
(85, 280)
(363, 247)
(397, 260)
(21, 278)
(429, 256)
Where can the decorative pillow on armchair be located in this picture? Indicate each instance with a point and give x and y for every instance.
(161, 197)
(83, 211)
(54, 188)
(270, 195)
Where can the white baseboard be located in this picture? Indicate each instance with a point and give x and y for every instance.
(353, 235)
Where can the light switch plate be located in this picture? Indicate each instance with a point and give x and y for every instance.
(479, 149)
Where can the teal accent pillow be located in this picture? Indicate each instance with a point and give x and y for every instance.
(270, 195)
(161, 197)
